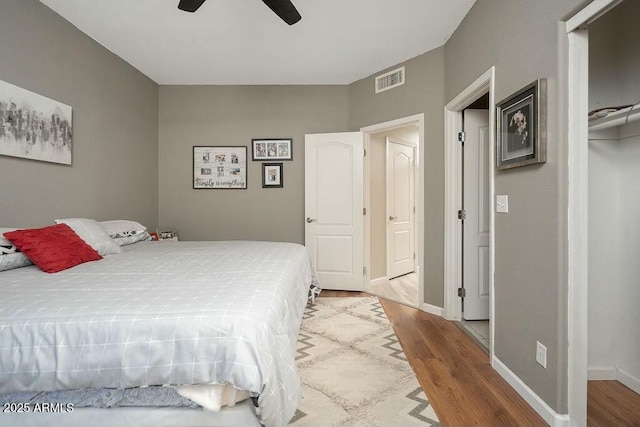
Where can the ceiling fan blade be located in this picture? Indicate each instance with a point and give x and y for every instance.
(190, 5)
(285, 10)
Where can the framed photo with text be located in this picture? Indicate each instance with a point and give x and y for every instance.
(272, 149)
(521, 127)
(220, 167)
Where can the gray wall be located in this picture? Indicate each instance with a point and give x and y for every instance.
(233, 115)
(423, 92)
(522, 40)
(115, 125)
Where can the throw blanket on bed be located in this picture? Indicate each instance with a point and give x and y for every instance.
(162, 313)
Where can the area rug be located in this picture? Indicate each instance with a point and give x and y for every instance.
(353, 370)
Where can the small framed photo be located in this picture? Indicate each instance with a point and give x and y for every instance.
(521, 127)
(166, 235)
(272, 175)
(272, 149)
(220, 167)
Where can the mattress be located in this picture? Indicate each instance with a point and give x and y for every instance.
(161, 313)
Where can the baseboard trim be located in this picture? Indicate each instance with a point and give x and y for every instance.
(602, 374)
(432, 309)
(629, 380)
(540, 406)
(614, 374)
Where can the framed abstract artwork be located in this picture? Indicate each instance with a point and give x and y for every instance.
(33, 126)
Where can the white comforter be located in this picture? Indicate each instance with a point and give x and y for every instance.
(161, 313)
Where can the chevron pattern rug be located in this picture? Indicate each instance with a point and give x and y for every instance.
(353, 370)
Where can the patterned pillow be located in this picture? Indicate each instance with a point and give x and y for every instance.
(122, 228)
(10, 256)
(93, 233)
(133, 238)
(126, 232)
(53, 248)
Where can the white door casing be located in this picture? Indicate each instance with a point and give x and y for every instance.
(419, 121)
(477, 205)
(400, 178)
(334, 208)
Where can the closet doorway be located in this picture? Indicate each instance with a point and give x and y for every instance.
(613, 357)
(603, 158)
(393, 210)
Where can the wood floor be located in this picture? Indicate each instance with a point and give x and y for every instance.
(457, 376)
(455, 372)
(604, 395)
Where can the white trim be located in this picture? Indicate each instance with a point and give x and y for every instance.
(432, 309)
(578, 254)
(452, 202)
(453, 197)
(417, 120)
(614, 374)
(629, 380)
(590, 13)
(540, 406)
(602, 374)
(367, 206)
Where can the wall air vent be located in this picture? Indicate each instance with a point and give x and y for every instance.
(390, 80)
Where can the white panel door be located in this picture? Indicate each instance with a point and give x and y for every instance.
(334, 201)
(476, 225)
(400, 208)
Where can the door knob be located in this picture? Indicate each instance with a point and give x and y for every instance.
(391, 218)
(310, 220)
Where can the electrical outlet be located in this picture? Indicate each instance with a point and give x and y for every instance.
(541, 354)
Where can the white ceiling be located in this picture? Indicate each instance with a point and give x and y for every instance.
(242, 42)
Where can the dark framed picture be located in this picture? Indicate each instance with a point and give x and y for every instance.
(272, 175)
(521, 127)
(220, 167)
(272, 149)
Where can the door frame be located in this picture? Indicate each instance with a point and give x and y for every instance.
(388, 190)
(415, 120)
(576, 66)
(453, 198)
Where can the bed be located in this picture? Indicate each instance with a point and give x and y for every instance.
(161, 314)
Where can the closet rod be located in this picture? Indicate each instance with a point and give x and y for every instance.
(616, 118)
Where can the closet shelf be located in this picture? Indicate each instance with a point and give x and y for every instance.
(616, 118)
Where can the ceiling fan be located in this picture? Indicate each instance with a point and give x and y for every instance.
(283, 8)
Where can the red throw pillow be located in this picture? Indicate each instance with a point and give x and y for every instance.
(53, 248)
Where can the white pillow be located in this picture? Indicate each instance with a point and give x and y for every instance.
(122, 227)
(93, 233)
(10, 256)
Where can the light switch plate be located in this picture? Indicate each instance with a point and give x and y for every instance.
(502, 203)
